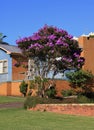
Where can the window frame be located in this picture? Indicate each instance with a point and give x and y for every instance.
(4, 66)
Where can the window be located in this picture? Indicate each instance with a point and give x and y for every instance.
(3, 66)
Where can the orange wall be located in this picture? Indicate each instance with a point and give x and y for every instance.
(15, 91)
(5, 89)
(88, 52)
(12, 88)
(61, 85)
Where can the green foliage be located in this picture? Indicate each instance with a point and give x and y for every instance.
(51, 92)
(23, 88)
(66, 93)
(2, 37)
(84, 99)
(33, 101)
(32, 84)
(81, 79)
(39, 84)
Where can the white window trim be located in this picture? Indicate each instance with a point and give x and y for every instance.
(2, 71)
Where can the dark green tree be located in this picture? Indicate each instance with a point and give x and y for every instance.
(82, 80)
(23, 88)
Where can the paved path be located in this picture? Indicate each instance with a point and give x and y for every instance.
(11, 105)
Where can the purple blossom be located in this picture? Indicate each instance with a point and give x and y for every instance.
(70, 60)
(63, 32)
(52, 37)
(68, 36)
(78, 65)
(36, 46)
(64, 59)
(80, 60)
(35, 36)
(61, 42)
(23, 40)
(29, 38)
(19, 41)
(52, 51)
(76, 55)
(50, 44)
(45, 27)
(65, 44)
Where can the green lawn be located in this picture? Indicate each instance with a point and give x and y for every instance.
(20, 119)
(8, 99)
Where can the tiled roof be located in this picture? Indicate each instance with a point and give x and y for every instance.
(10, 48)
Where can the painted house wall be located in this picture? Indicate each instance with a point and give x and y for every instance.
(88, 52)
(6, 76)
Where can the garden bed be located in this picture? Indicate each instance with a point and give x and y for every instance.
(73, 109)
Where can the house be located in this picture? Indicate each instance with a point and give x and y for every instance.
(11, 75)
(9, 55)
(87, 43)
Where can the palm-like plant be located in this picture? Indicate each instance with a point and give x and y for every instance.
(2, 37)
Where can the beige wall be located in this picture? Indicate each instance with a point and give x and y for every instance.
(88, 52)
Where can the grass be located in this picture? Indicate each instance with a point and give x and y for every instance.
(8, 99)
(20, 119)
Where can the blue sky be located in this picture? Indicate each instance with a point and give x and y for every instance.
(20, 18)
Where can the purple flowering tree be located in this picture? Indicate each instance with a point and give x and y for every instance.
(52, 49)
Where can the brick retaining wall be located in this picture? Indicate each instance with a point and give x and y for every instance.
(73, 109)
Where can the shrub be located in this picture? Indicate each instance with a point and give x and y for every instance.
(84, 99)
(23, 88)
(51, 92)
(40, 84)
(33, 101)
(83, 80)
(66, 93)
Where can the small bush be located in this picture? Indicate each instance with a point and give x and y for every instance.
(33, 101)
(51, 92)
(83, 80)
(66, 93)
(30, 102)
(23, 88)
(84, 99)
